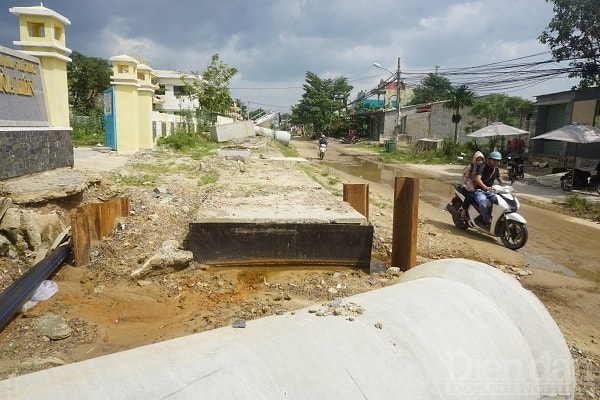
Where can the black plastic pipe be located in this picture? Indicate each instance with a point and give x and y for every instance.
(17, 294)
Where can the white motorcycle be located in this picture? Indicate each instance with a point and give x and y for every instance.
(322, 150)
(506, 223)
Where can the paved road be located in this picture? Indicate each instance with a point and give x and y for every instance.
(98, 158)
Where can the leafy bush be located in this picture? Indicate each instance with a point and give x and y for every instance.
(577, 202)
(88, 129)
(180, 140)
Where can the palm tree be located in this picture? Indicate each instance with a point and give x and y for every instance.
(458, 98)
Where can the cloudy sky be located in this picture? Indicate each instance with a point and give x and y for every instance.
(274, 42)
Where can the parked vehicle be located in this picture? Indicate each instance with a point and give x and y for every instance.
(322, 150)
(349, 139)
(515, 167)
(583, 180)
(507, 223)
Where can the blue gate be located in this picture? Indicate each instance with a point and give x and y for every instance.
(110, 129)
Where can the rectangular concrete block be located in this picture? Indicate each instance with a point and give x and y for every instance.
(236, 130)
(250, 243)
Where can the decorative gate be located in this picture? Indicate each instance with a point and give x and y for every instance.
(110, 129)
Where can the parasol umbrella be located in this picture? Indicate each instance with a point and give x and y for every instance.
(577, 132)
(497, 129)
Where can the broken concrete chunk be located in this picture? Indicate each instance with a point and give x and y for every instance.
(53, 326)
(169, 256)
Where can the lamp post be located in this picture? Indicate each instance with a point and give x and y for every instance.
(398, 112)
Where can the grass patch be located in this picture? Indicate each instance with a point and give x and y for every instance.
(207, 179)
(287, 151)
(381, 204)
(323, 177)
(579, 206)
(138, 180)
(576, 202)
(410, 154)
(197, 146)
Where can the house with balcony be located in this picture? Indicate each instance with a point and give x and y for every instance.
(171, 84)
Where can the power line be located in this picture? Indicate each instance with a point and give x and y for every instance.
(509, 75)
(500, 76)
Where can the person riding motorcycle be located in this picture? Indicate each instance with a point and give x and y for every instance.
(469, 174)
(486, 175)
(323, 140)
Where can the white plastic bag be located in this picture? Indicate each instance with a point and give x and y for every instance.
(46, 290)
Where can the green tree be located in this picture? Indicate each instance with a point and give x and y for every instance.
(433, 88)
(574, 34)
(211, 88)
(458, 98)
(501, 108)
(322, 103)
(87, 78)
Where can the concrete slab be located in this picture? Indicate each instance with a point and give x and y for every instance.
(237, 153)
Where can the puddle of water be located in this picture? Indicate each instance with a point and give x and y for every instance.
(254, 275)
(433, 191)
(386, 174)
(545, 264)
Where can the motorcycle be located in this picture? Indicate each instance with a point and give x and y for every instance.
(322, 150)
(582, 180)
(349, 140)
(507, 223)
(515, 167)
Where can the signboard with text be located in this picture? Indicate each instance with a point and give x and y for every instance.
(22, 99)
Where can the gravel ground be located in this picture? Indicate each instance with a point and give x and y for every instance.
(108, 311)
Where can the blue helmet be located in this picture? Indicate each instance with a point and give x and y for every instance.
(495, 155)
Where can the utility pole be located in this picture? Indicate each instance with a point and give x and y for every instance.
(398, 111)
(397, 128)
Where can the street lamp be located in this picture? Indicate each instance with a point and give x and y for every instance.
(398, 112)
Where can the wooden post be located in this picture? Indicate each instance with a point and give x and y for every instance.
(405, 223)
(80, 232)
(357, 195)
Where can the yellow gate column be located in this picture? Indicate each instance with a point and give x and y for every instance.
(126, 108)
(145, 95)
(42, 35)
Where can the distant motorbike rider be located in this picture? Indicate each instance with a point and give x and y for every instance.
(484, 180)
(323, 140)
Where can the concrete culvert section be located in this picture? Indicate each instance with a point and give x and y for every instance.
(452, 329)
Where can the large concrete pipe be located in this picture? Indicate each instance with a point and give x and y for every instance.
(452, 329)
(283, 137)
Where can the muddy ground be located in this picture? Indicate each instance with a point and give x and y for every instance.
(109, 311)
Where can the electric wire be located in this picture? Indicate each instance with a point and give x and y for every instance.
(501, 76)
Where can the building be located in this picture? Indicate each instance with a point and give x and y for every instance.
(421, 121)
(171, 84)
(556, 110)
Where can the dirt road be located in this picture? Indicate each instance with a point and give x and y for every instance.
(108, 311)
(562, 251)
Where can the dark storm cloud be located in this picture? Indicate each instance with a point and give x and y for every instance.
(274, 42)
